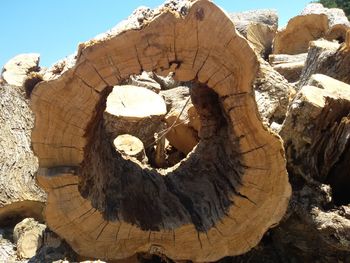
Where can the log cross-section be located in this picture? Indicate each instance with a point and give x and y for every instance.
(218, 201)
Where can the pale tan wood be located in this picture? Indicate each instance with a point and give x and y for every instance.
(136, 111)
(130, 146)
(251, 157)
(300, 30)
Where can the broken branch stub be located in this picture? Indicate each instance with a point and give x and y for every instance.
(218, 201)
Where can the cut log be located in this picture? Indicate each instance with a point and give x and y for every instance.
(28, 236)
(327, 58)
(20, 197)
(291, 71)
(337, 20)
(316, 135)
(130, 146)
(276, 59)
(300, 30)
(17, 69)
(259, 27)
(136, 111)
(218, 201)
(314, 22)
(261, 36)
(242, 20)
(273, 93)
(299, 130)
(180, 133)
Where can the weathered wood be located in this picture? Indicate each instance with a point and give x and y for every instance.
(19, 194)
(259, 27)
(298, 130)
(291, 71)
(276, 59)
(273, 93)
(179, 132)
(337, 20)
(219, 201)
(136, 111)
(242, 20)
(17, 69)
(316, 137)
(313, 23)
(327, 58)
(130, 146)
(300, 30)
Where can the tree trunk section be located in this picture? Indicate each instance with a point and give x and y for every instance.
(219, 201)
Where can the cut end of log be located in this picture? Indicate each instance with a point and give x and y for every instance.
(134, 102)
(300, 30)
(219, 201)
(131, 146)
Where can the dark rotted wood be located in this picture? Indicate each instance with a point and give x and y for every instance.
(118, 193)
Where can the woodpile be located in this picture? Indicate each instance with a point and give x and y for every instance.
(157, 139)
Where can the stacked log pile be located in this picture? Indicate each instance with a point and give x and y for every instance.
(182, 146)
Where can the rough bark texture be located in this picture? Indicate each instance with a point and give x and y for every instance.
(19, 196)
(273, 93)
(219, 201)
(242, 20)
(327, 58)
(316, 136)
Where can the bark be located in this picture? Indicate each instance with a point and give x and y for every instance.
(19, 196)
(316, 137)
(242, 20)
(219, 201)
(273, 93)
(327, 58)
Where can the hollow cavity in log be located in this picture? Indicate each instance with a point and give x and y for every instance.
(219, 201)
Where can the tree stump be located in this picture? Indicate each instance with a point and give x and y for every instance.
(219, 201)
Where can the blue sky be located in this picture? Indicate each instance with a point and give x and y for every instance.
(55, 28)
